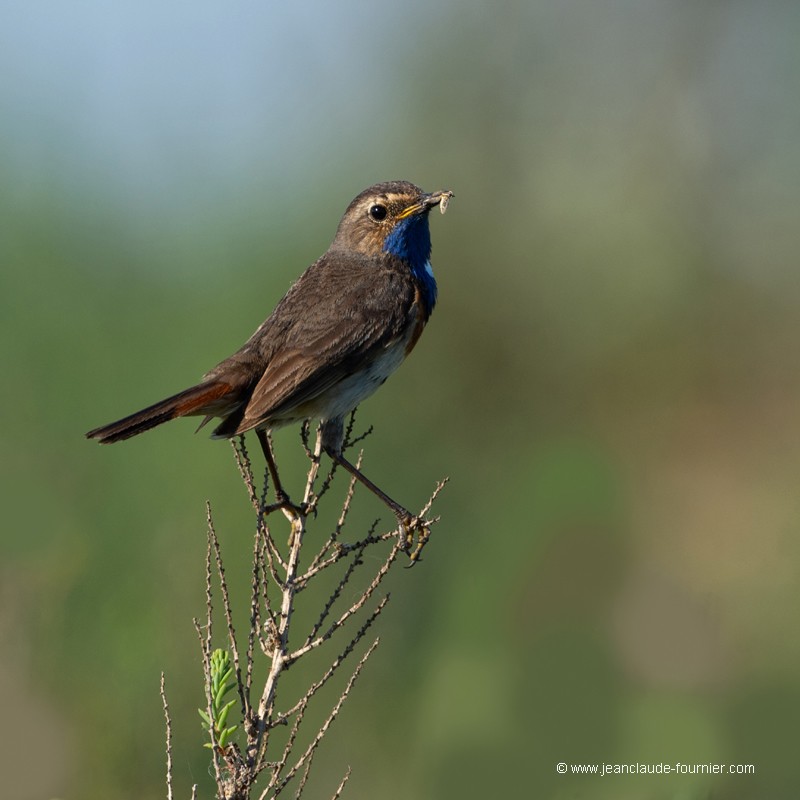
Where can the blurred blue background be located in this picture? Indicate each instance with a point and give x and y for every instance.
(610, 379)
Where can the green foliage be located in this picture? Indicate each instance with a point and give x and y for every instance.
(221, 684)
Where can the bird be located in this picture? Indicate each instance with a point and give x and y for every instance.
(343, 327)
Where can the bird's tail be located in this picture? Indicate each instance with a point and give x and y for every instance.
(201, 399)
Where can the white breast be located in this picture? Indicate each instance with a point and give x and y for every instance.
(341, 399)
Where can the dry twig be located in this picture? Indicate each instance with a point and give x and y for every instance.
(279, 573)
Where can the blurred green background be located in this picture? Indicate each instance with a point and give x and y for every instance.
(610, 379)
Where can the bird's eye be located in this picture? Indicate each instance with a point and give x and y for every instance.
(378, 212)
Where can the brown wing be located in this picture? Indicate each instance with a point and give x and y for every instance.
(339, 315)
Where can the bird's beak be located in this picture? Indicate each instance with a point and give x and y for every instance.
(426, 202)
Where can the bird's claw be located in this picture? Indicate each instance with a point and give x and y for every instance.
(413, 533)
(284, 503)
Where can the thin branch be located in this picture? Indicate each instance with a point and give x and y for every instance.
(338, 661)
(339, 791)
(205, 644)
(245, 468)
(206, 648)
(266, 704)
(226, 603)
(343, 550)
(333, 538)
(255, 616)
(376, 581)
(325, 725)
(304, 779)
(355, 562)
(169, 738)
(315, 458)
(427, 507)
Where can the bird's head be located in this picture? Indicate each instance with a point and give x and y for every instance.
(391, 218)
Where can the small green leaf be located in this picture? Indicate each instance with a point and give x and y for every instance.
(218, 696)
(227, 675)
(222, 716)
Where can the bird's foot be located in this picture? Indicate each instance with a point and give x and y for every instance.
(413, 533)
(284, 503)
(415, 530)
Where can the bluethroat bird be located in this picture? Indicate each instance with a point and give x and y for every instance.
(344, 326)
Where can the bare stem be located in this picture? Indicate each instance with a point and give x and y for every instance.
(278, 574)
(169, 738)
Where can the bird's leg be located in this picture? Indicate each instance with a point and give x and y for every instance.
(332, 440)
(281, 498)
(409, 524)
(402, 514)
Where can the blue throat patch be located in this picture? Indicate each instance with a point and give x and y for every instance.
(410, 240)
